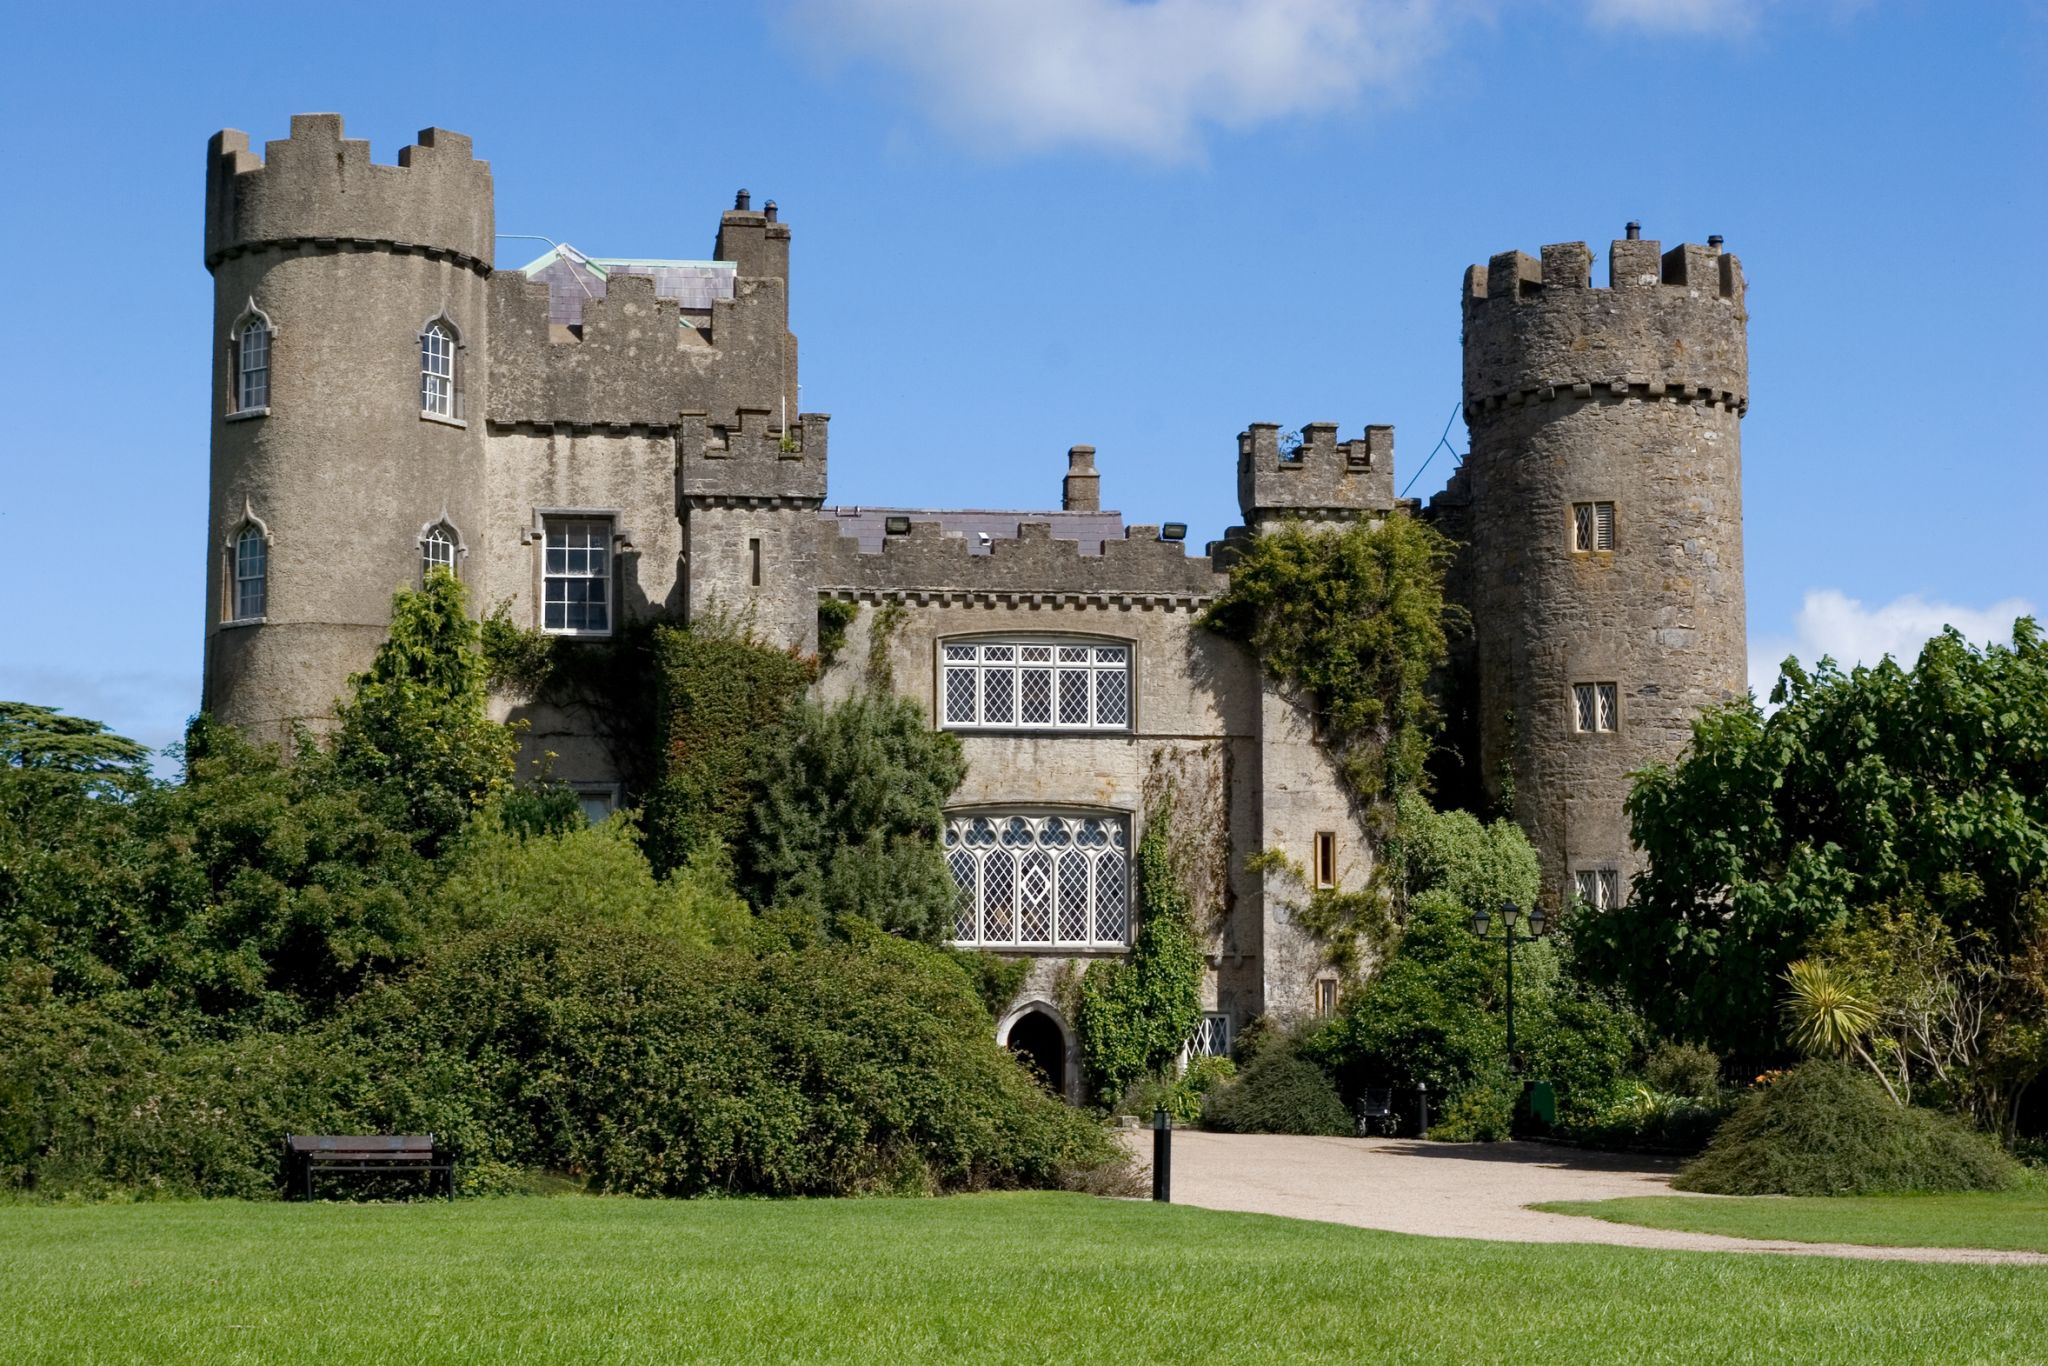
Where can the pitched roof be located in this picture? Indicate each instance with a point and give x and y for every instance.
(572, 278)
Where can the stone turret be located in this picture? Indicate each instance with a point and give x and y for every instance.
(346, 467)
(1602, 504)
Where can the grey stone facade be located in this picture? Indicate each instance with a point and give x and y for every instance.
(648, 408)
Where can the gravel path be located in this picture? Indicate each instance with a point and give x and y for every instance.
(1464, 1191)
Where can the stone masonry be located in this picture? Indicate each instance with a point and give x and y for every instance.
(618, 440)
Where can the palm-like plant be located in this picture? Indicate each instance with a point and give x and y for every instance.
(1828, 1018)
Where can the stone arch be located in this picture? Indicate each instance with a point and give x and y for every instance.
(1037, 1029)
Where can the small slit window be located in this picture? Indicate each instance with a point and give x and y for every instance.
(248, 596)
(754, 560)
(1592, 527)
(1325, 997)
(1326, 858)
(1596, 707)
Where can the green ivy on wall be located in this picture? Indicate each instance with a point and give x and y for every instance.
(1135, 1014)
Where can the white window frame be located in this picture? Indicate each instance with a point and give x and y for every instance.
(441, 370)
(1596, 708)
(1592, 528)
(249, 346)
(1598, 888)
(1211, 1038)
(248, 573)
(435, 536)
(1039, 880)
(987, 683)
(599, 533)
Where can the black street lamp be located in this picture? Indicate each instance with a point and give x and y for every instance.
(1509, 913)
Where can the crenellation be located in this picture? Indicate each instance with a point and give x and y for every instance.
(749, 455)
(928, 559)
(1320, 479)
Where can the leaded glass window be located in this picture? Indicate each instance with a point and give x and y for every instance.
(1039, 881)
(577, 578)
(1598, 888)
(252, 576)
(1592, 527)
(1596, 707)
(437, 371)
(1036, 685)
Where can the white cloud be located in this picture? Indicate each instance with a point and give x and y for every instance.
(1832, 623)
(1144, 78)
(1675, 16)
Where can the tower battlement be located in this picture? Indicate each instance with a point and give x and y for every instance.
(1669, 325)
(1322, 477)
(319, 188)
(749, 458)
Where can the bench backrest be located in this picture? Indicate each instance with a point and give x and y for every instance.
(360, 1143)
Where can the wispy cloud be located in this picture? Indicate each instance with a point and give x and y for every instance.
(1143, 78)
(1834, 624)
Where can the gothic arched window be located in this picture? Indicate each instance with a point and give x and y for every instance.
(249, 559)
(249, 363)
(440, 393)
(438, 548)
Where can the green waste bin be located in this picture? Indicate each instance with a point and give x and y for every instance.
(1539, 1106)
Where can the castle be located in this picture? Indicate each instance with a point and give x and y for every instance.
(598, 440)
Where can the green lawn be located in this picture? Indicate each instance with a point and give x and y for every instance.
(2011, 1219)
(1039, 1278)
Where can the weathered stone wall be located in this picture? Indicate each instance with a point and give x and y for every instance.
(349, 261)
(1321, 479)
(1631, 394)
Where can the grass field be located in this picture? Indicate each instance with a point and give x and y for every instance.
(2011, 1220)
(1038, 1278)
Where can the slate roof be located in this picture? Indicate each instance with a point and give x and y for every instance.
(573, 278)
(978, 528)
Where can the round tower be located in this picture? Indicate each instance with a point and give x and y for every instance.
(1604, 569)
(351, 346)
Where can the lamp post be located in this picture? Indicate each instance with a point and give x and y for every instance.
(1509, 914)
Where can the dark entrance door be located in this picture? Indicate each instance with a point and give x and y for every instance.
(1039, 1045)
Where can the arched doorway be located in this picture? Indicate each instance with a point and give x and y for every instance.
(1040, 1045)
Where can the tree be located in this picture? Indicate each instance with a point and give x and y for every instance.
(1879, 787)
(416, 727)
(846, 823)
(43, 738)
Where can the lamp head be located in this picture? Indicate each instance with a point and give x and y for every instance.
(1538, 921)
(1510, 912)
(1480, 920)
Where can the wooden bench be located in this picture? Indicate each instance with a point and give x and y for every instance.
(310, 1155)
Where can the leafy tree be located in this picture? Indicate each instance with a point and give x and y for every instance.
(1355, 621)
(416, 726)
(1879, 787)
(847, 822)
(44, 738)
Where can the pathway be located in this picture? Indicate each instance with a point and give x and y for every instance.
(1478, 1190)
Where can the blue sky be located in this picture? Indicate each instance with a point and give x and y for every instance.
(1022, 224)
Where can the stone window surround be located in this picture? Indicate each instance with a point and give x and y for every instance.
(1605, 697)
(984, 636)
(1596, 529)
(1054, 948)
(445, 523)
(458, 364)
(609, 792)
(250, 313)
(536, 534)
(1603, 881)
(1323, 859)
(1324, 995)
(228, 584)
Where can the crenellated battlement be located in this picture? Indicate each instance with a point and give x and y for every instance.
(1667, 325)
(1320, 477)
(318, 188)
(749, 458)
(1035, 568)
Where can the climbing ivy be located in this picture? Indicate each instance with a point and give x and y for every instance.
(1135, 1014)
(835, 615)
(1355, 621)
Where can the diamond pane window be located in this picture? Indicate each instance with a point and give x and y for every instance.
(1036, 685)
(1610, 705)
(1599, 888)
(1038, 881)
(1596, 706)
(1592, 527)
(576, 581)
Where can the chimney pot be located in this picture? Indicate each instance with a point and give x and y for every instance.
(1635, 230)
(1715, 241)
(742, 200)
(769, 209)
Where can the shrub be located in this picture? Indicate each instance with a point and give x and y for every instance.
(1646, 1118)
(1278, 1093)
(1181, 1095)
(1683, 1069)
(1827, 1130)
(1482, 1112)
